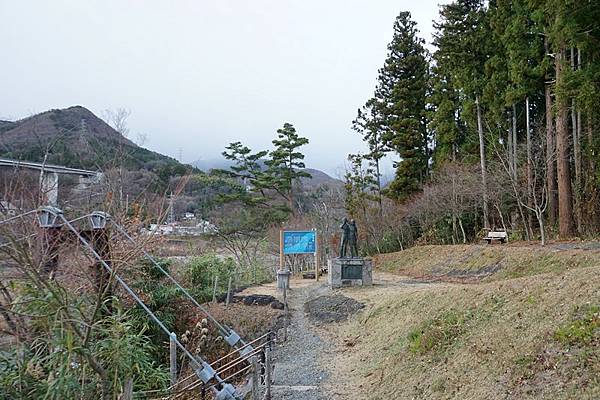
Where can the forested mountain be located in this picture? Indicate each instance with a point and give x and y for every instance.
(316, 179)
(75, 137)
(510, 90)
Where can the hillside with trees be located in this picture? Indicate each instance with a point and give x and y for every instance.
(495, 128)
(75, 137)
(156, 279)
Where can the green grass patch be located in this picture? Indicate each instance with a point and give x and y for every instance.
(438, 333)
(581, 331)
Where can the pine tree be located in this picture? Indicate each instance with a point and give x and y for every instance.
(246, 165)
(401, 92)
(285, 166)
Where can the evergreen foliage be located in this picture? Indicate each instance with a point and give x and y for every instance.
(401, 98)
(509, 83)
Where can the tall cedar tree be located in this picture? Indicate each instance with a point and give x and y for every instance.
(445, 122)
(401, 90)
(285, 166)
(463, 41)
(562, 20)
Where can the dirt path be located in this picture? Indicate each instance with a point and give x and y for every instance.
(298, 375)
(303, 361)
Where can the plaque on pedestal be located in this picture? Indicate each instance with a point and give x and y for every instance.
(350, 272)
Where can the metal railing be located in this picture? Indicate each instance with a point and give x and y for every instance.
(230, 370)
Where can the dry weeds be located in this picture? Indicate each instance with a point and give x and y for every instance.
(505, 349)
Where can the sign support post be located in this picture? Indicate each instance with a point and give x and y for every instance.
(316, 256)
(281, 255)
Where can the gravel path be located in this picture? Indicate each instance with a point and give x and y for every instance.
(297, 375)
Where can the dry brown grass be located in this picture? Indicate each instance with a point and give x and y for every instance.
(481, 262)
(495, 339)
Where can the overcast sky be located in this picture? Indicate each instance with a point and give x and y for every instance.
(199, 74)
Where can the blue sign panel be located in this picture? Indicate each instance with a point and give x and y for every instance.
(299, 242)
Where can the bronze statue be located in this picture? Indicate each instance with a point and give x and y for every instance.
(349, 238)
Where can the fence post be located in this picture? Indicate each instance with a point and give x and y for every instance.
(316, 255)
(255, 377)
(228, 298)
(285, 312)
(214, 299)
(127, 389)
(173, 358)
(268, 372)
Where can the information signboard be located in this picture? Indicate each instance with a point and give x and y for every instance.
(299, 242)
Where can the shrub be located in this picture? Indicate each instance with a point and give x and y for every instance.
(201, 272)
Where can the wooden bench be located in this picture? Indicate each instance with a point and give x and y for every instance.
(500, 236)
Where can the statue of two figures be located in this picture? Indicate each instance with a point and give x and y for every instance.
(349, 237)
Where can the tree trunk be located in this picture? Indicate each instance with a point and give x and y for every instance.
(486, 223)
(514, 133)
(379, 196)
(550, 153)
(540, 217)
(576, 152)
(510, 151)
(565, 194)
(530, 193)
(591, 193)
(462, 230)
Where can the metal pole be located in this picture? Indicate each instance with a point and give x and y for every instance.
(196, 360)
(228, 298)
(101, 245)
(316, 256)
(128, 389)
(285, 312)
(173, 357)
(255, 377)
(268, 373)
(50, 249)
(281, 255)
(214, 299)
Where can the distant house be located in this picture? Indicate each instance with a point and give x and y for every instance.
(201, 228)
(206, 227)
(156, 229)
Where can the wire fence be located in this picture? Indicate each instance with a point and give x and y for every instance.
(217, 377)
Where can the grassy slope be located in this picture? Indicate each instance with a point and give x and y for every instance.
(486, 263)
(535, 336)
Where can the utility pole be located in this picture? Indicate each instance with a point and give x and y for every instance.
(171, 217)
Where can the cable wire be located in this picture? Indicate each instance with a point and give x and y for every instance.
(225, 330)
(198, 361)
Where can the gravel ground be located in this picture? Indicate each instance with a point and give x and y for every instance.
(297, 375)
(331, 308)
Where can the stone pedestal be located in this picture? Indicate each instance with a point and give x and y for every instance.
(350, 272)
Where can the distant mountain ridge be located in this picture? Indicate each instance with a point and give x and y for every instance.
(318, 178)
(75, 137)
